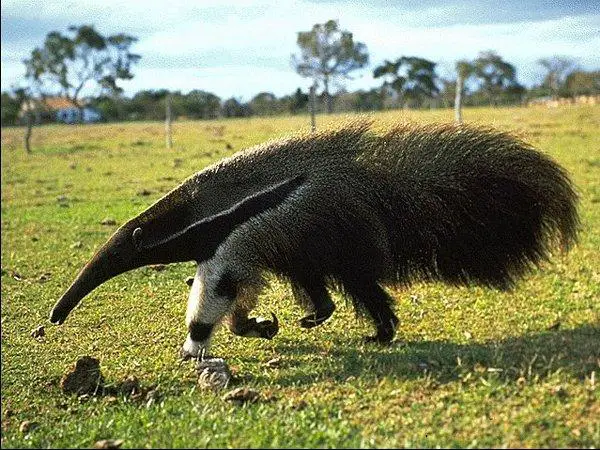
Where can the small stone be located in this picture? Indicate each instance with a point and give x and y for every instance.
(213, 380)
(84, 378)
(109, 443)
(242, 395)
(44, 277)
(38, 332)
(27, 426)
(152, 396)
(108, 221)
(130, 386)
(213, 373)
(275, 362)
(560, 392)
(300, 405)
(17, 276)
(111, 399)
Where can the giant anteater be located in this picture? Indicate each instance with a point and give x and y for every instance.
(350, 209)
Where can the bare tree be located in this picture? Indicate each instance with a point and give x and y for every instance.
(557, 69)
(30, 107)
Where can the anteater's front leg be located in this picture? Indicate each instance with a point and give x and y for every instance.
(212, 295)
(238, 321)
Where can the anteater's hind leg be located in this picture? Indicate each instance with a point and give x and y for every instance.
(371, 297)
(238, 321)
(316, 301)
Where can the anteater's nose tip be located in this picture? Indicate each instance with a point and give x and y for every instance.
(56, 317)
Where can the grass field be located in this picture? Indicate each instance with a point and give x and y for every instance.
(471, 367)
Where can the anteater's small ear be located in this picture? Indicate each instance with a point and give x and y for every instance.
(137, 238)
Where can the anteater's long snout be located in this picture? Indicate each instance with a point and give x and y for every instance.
(87, 280)
(113, 258)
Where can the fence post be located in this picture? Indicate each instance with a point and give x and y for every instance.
(168, 123)
(313, 123)
(458, 98)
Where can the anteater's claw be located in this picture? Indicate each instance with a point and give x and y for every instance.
(317, 317)
(184, 355)
(268, 329)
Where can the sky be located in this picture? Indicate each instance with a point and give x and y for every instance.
(243, 47)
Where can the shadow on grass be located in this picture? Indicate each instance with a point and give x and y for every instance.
(532, 356)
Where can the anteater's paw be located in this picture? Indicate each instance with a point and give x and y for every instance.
(379, 339)
(184, 355)
(317, 318)
(190, 349)
(267, 328)
(385, 332)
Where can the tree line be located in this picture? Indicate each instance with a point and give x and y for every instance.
(68, 64)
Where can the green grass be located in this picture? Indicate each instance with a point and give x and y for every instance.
(472, 367)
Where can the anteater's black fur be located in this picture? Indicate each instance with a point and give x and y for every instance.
(460, 204)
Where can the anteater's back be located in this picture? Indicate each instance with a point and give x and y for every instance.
(458, 203)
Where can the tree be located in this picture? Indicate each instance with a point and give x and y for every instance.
(371, 100)
(151, 104)
(11, 106)
(202, 105)
(264, 104)
(295, 102)
(327, 54)
(582, 83)
(234, 108)
(83, 60)
(30, 107)
(496, 76)
(412, 78)
(557, 69)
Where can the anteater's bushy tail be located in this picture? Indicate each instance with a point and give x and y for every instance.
(470, 204)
